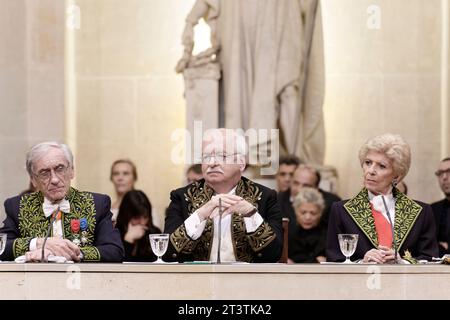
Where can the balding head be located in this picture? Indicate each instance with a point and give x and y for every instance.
(304, 176)
(443, 175)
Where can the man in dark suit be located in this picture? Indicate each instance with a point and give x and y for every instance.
(249, 229)
(441, 209)
(286, 167)
(304, 176)
(78, 223)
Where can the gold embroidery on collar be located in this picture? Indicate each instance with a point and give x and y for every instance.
(197, 195)
(33, 223)
(360, 211)
(406, 213)
(244, 245)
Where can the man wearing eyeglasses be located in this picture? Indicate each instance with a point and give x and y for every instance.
(224, 217)
(58, 221)
(441, 209)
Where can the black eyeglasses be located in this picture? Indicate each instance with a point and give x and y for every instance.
(440, 173)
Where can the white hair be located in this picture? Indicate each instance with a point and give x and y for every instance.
(232, 138)
(41, 148)
(309, 195)
(394, 147)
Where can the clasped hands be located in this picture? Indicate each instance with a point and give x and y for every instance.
(381, 255)
(230, 204)
(54, 246)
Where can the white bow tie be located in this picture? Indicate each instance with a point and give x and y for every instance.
(49, 207)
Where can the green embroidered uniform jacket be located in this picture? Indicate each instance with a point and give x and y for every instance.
(25, 220)
(263, 245)
(414, 228)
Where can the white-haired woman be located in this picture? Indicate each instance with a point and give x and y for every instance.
(308, 240)
(385, 161)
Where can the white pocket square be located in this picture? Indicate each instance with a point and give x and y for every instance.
(51, 258)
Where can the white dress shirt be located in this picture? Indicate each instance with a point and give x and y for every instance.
(49, 208)
(378, 205)
(377, 202)
(195, 227)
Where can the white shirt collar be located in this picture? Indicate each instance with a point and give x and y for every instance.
(388, 195)
(50, 207)
(378, 204)
(232, 191)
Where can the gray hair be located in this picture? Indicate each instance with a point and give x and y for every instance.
(394, 147)
(309, 195)
(41, 148)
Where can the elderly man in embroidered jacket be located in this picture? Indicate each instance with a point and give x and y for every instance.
(78, 223)
(251, 221)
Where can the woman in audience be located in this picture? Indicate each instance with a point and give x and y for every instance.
(308, 241)
(123, 176)
(385, 160)
(135, 223)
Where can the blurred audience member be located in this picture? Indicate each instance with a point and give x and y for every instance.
(304, 176)
(287, 166)
(308, 176)
(194, 173)
(308, 241)
(123, 176)
(135, 223)
(441, 209)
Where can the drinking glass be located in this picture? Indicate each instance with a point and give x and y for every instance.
(2, 242)
(159, 243)
(347, 243)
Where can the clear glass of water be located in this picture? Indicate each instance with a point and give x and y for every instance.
(347, 243)
(159, 243)
(2, 242)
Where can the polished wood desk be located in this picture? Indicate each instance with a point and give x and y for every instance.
(234, 282)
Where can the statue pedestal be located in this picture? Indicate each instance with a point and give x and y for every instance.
(202, 96)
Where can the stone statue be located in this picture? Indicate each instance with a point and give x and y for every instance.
(264, 70)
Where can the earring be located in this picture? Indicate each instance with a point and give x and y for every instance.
(394, 183)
